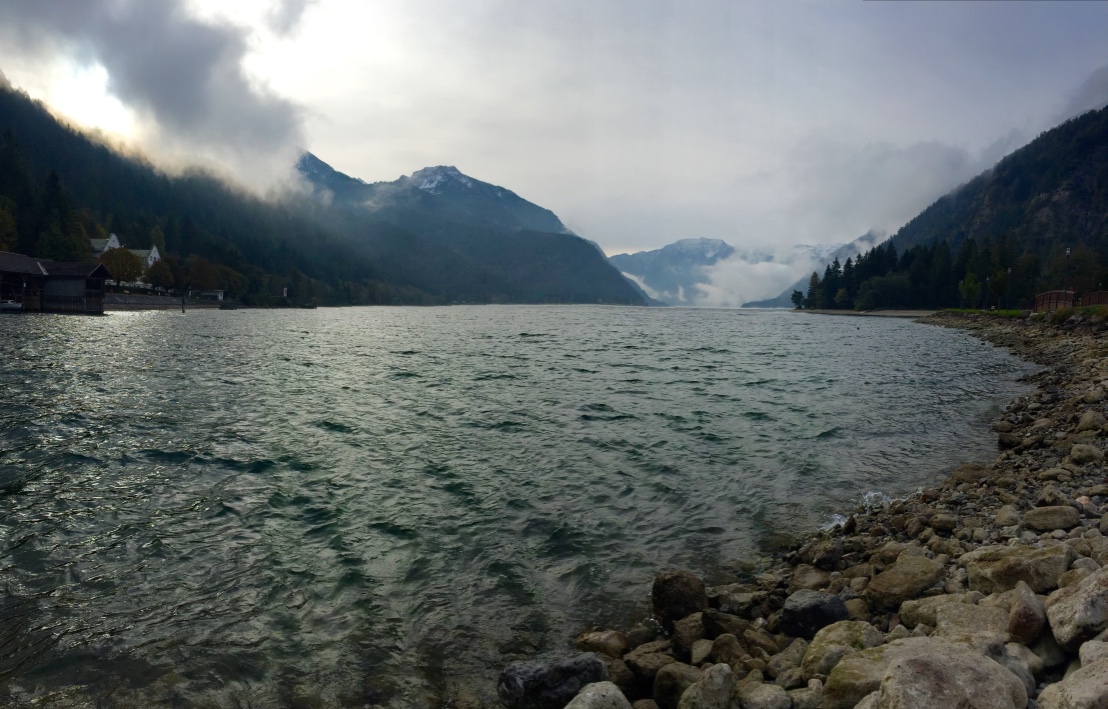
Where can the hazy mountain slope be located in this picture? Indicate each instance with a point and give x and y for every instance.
(199, 214)
(672, 272)
(784, 300)
(1051, 193)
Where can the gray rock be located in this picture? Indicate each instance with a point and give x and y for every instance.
(835, 642)
(1007, 516)
(809, 577)
(809, 697)
(972, 472)
(907, 578)
(1046, 519)
(1026, 615)
(677, 594)
(945, 523)
(949, 676)
(687, 631)
(994, 569)
(1032, 661)
(1078, 613)
(791, 678)
(1091, 421)
(805, 612)
(787, 659)
(958, 621)
(717, 623)
(672, 681)
(700, 652)
(1093, 651)
(1048, 651)
(727, 648)
(923, 610)
(548, 685)
(599, 695)
(1086, 688)
(861, 673)
(712, 691)
(756, 695)
(826, 554)
(606, 642)
(1082, 453)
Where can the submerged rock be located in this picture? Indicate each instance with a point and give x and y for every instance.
(548, 685)
(677, 594)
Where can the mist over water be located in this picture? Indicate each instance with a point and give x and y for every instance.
(370, 505)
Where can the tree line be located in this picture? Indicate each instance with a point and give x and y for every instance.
(992, 275)
(58, 189)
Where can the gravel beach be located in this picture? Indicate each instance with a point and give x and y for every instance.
(987, 591)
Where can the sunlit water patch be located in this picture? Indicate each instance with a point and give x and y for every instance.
(377, 506)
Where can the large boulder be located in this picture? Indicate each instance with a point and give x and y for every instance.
(835, 642)
(907, 578)
(805, 612)
(995, 569)
(1026, 615)
(548, 685)
(1079, 613)
(712, 691)
(922, 610)
(677, 594)
(861, 673)
(950, 675)
(961, 621)
(1087, 688)
(1083, 453)
(1047, 519)
(672, 681)
(599, 695)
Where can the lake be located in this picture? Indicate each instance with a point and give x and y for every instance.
(379, 505)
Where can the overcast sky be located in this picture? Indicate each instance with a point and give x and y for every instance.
(639, 122)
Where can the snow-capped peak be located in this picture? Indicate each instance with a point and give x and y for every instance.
(707, 249)
(430, 179)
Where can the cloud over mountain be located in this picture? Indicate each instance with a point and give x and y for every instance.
(182, 74)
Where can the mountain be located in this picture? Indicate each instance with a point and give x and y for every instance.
(1034, 222)
(672, 272)
(436, 236)
(677, 274)
(822, 256)
(442, 190)
(463, 240)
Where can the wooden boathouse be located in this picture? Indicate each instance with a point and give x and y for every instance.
(40, 285)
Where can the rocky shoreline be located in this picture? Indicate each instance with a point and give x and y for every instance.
(989, 591)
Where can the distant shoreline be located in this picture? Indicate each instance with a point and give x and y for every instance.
(874, 313)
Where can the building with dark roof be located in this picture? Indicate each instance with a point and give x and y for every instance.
(52, 286)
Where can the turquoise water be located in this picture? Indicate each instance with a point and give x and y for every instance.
(377, 505)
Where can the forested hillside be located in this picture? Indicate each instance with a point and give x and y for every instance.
(997, 240)
(58, 188)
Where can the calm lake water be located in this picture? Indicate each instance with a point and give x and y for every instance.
(377, 505)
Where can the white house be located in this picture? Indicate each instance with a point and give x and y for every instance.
(99, 246)
(149, 256)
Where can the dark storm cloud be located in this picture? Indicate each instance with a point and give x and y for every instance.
(1092, 94)
(183, 72)
(284, 18)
